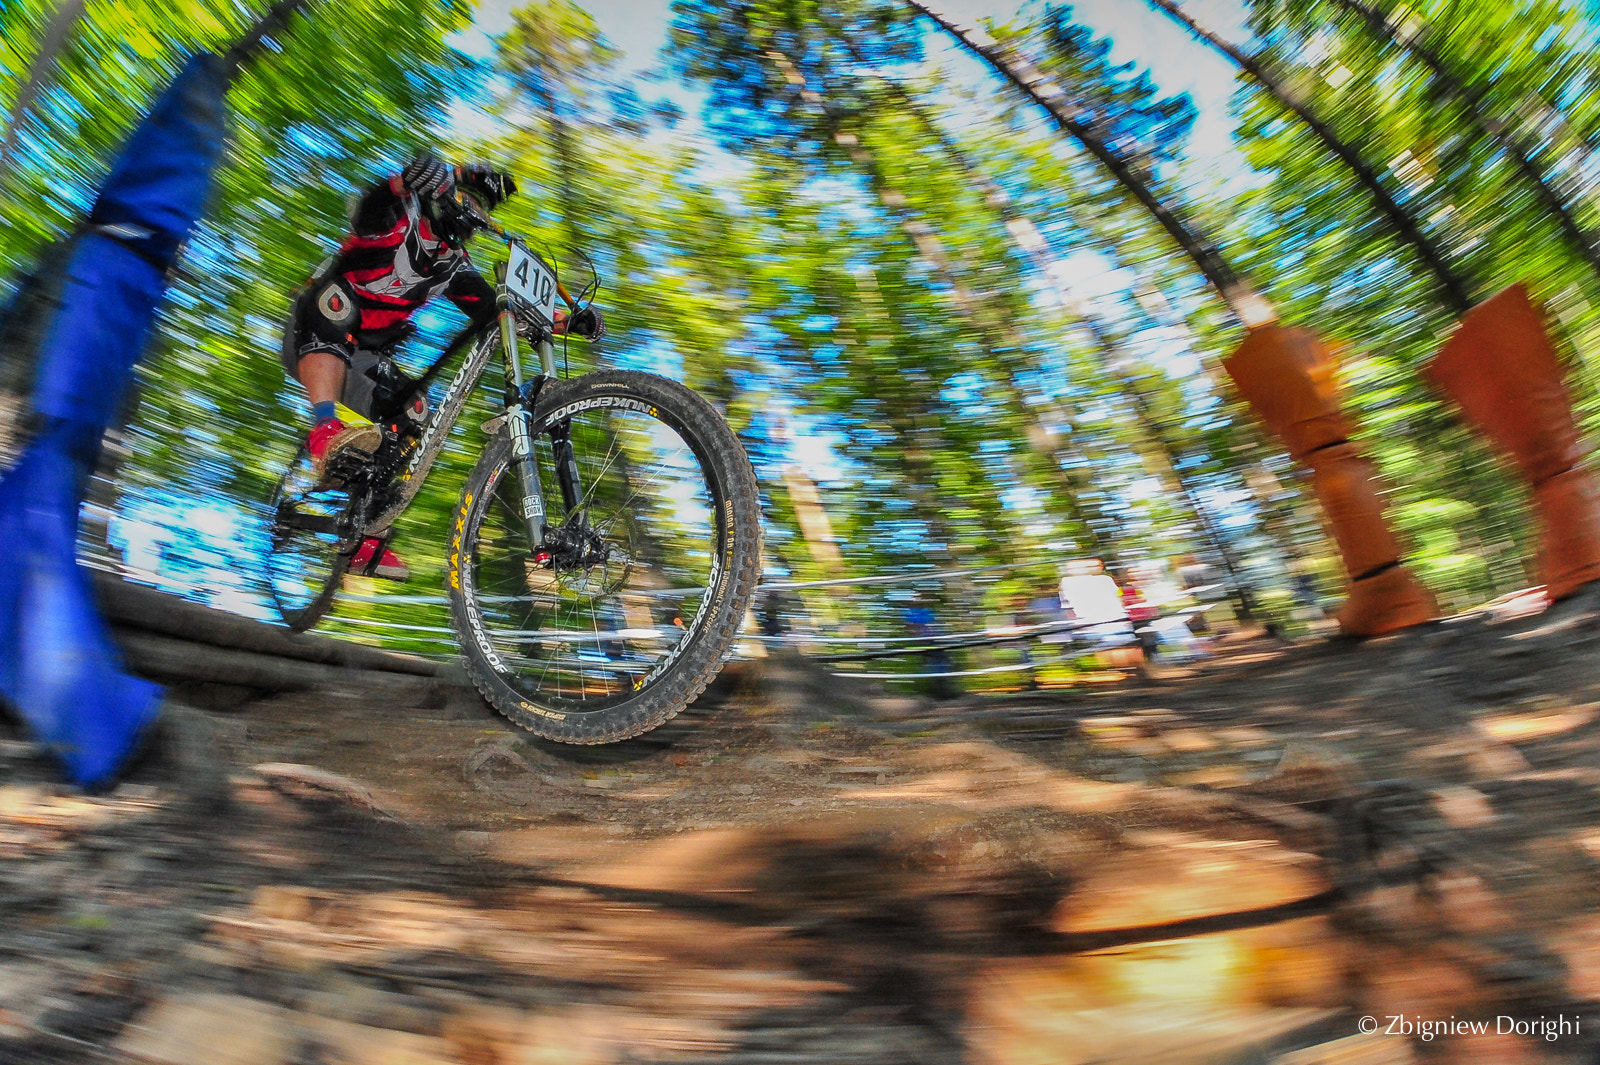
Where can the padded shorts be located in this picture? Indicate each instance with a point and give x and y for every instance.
(323, 319)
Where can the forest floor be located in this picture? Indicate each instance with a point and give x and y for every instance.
(1260, 858)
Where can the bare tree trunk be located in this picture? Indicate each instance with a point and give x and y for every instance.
(1522, 153)
(1248, 306)
(276, 18)
(805, 499)
(931, 248)
(1456, 290)
(1027, 238)
(62, 21)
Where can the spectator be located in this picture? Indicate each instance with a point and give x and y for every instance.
(1199, 580)
(920, 622)
(1306, 595)
(777, 604)
(1094, 598)
(1024, 617)
(1142, 616)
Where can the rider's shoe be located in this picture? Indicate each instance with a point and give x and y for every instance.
(332, 437)
(389, 567)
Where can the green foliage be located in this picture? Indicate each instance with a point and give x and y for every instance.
(875, 266)
(1123, 105)
(729, 47)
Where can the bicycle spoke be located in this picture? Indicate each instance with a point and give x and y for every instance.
(612, 454)
(574, 633)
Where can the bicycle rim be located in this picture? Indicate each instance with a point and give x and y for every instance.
(308, 553)
(580, 635)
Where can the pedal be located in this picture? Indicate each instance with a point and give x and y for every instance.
(344, 468)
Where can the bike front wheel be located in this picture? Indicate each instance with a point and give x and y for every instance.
(309, 545)
(637, 596)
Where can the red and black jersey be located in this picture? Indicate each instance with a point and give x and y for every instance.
(393, 263)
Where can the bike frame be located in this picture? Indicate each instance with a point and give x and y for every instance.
(518, 418)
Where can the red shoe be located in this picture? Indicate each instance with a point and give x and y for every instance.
(334, 436)
(389, 567)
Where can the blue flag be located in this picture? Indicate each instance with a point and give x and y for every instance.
(58, 666)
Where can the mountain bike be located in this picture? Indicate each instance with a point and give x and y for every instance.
(604, 548)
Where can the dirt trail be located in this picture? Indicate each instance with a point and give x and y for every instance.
(1225, 864)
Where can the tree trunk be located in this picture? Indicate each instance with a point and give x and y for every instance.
(1456, 290)
(276, 18)
(1522, 153)
(1256, 478)
(180, 661)
(1033, 245)
(995, 337)
(66, 16)
(62, 21)
(919, 437)
(138, 607)
(816, 529)
(561, 141)
(931, 248)
(1248, 306)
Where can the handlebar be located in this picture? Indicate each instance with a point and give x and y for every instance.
(484, 222)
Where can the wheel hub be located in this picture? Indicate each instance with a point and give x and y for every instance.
(573, 546)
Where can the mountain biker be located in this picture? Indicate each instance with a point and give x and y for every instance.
(406, 246)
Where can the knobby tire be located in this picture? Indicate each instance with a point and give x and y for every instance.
(736, 528)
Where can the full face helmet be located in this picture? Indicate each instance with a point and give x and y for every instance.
(479, 191)
(455, 216)
(490, 186)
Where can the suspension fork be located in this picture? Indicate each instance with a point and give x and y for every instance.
(519, 419)
(566, 466)
(566, 460)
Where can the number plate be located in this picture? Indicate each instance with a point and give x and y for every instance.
(532, 282)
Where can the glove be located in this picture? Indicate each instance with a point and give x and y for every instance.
(587, 323)
(429, 176)
(497, 183)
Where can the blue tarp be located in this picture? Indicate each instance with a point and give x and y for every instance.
(58, 666)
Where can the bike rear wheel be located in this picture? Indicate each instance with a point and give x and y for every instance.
(310, 545)
(639, 598)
